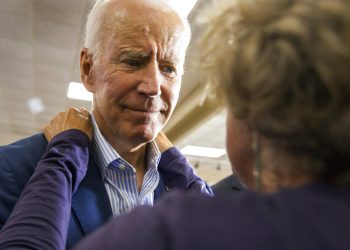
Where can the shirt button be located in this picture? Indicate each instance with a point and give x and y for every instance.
(122, 167)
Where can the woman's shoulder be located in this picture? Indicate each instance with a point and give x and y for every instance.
(278, 219)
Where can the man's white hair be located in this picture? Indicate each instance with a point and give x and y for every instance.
(95, 21)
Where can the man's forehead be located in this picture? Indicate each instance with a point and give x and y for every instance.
(141, 34)
(134, 26)
(157, 22)
(154, 13)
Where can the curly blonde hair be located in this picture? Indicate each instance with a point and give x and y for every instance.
(283, 66)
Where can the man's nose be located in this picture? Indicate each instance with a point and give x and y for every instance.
(151, 81)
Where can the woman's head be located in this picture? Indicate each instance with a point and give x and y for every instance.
(283, 67)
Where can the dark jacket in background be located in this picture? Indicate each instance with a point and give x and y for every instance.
(230, 184)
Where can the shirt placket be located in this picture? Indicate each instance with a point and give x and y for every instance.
(125, 184)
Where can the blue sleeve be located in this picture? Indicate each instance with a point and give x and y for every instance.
(17, 163)
(179, 174)
(41, 215)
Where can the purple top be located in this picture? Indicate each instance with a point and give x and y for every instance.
(179, 174)
(41, 215)
(312, 217)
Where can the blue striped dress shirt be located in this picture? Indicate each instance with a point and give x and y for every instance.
(119, 176)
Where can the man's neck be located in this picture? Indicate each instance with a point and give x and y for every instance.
(131, 151)
(136, 156)
(137, 159)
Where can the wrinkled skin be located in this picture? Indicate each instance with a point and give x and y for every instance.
(136, 80)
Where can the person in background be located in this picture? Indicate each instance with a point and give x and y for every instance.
(282, 66)
(229, 184)
(132, 62)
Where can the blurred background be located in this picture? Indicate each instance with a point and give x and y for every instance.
(40, 42)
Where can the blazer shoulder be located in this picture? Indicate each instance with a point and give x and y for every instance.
(20, 158)
(26, 143)
(17, 163)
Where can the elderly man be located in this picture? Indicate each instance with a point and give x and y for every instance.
(132, 63)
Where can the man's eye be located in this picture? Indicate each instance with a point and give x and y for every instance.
(169, 69)
(132, 63)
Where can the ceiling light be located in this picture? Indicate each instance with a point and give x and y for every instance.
(35, 105)
(203, 151)
(77, 91)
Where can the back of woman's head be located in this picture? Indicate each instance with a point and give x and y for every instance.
(283, 66)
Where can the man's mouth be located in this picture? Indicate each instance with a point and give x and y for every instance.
(147, 107)
(143, 110)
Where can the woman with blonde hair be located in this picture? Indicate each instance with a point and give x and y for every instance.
(283, 68)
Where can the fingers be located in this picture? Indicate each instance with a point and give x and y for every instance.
(73, 118)
(50, 128)
(47, 132)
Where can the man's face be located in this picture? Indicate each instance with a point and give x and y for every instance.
(136, 81)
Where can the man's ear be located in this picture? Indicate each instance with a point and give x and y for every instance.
(86, 69)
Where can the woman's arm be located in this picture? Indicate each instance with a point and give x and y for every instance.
(178, 172)
(41, 215)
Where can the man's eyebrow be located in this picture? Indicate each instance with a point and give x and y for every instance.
(133, 52)
(173, 60)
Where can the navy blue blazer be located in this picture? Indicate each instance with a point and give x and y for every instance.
(90, 203)
(230, 184)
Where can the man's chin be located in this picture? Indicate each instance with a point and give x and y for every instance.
(145, 135)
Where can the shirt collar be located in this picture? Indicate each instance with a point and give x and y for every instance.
(104, 152)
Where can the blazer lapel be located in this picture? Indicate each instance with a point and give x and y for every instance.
(90, 203)
(161, 188)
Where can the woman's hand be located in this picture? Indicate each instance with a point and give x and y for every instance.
(73, 118)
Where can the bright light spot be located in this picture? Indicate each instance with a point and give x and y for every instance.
(77, 91)
(203, 151)
(35, 105)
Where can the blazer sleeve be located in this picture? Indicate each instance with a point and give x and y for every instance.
(9, 189)
(179, 174)
(17, 163)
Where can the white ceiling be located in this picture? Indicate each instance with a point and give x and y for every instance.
(40, 41)
(39, 44)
